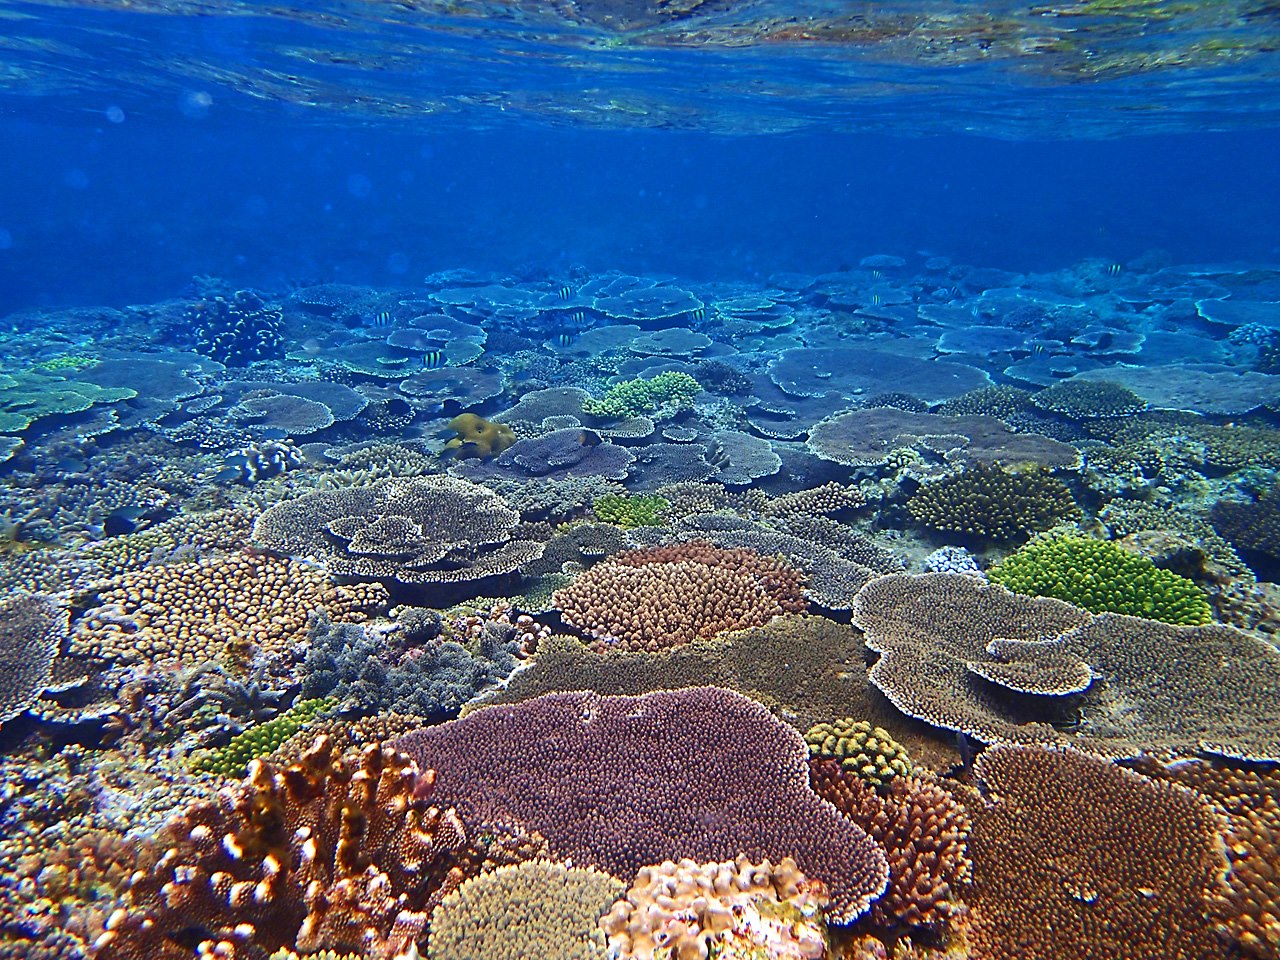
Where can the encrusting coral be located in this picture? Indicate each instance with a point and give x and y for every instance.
(329, 853)
(732, 909)
(665, 596)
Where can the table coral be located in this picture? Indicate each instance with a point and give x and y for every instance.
(1102, 576)
(621, 782)
(32, 632)
(540, 909)
(665, 596)
(1077, 859)
(229, 608)
(330, 853)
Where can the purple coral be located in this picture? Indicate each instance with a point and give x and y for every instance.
(620, 782)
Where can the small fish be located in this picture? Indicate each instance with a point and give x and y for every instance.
(876, 299)
(565, 292)
(1039, 349)
(1113, 270)
(698, 315)
(877, 274)
(383, 318)
(433, 359)
(577, 318)
(564, 339)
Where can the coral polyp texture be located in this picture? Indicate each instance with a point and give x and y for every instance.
(618, 783)
(32, 632)
(539, 908)
(1077, 859)
(1103, 577)
(734, 910)
(924, 831)
(661, 395)
(420, 530)
(228, 609)
(987, 502)
(347, 853)
(867, 752)
(665, 596)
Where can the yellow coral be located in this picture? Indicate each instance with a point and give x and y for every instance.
(477, 437)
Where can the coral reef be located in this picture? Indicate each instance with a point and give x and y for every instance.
(623, 510)
(1089, 400)
(329, 853)
(867, 752)
(701, 773)
(537, 909)
(259, 740)
(665, 596)
(236, 331)
(735, 910)
(1077, 859)
(988, 502)
(1251, 526)
(1102, 576)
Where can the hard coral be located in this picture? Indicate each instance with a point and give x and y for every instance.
(32, 631)
(477, 437)
(536, 909)
(1077, 859)
(733, 909)
(990, 503)
(621, 782)
(330, 853)
(1102, 576)
(665, 596)
(663, 394)
(866, 752)
(923, 828)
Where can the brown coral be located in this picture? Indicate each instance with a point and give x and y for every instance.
(329, 853)
(1077, 859)
(923, 828)
(224, 608)
(666, 596)
(32, 630)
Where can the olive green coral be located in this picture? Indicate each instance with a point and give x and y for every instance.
(868, 752)
(259, 740)
(672, 390)
(641, 510)
(991, 503)
(1102, 577)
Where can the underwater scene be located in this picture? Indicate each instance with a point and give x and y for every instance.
(639, 480)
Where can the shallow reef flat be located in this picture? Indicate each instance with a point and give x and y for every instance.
(917, 610)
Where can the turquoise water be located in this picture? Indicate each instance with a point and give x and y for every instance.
(639, 480)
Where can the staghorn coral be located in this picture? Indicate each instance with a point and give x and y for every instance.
(231, 609)
(665, 596)
(988, 502)
(867, 752)
(1102, 576)
(1077, 859)
(419, 530)
(539, 908)
(620, 782)
(735, 910)
(329, 853)
(32, 632)
(923, 828)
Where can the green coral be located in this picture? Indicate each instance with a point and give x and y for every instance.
(1103, 577)
(67, 361)
(991, 503)
(259, 740)
(642, 510)
(867, 751)
(672, 390)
